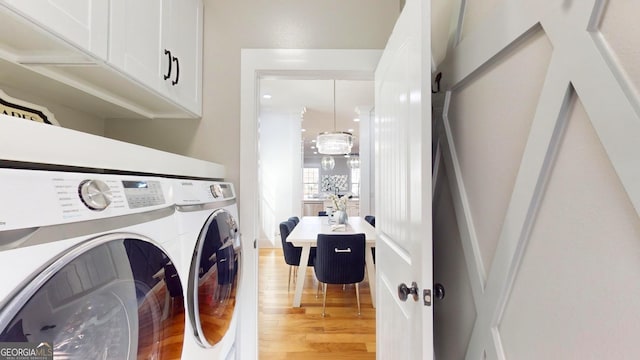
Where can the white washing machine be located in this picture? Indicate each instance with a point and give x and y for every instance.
(87, 264)
(89, 245)
(207, 217)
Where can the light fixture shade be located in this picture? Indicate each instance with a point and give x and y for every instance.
(354, 162)
(327, 163)
(334, 143)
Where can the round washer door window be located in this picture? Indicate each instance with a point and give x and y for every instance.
(214, 278)
(113, 297)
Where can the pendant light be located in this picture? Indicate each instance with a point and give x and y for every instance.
(327, 163)
(335, 142)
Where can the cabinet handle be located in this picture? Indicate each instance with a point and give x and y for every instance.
(175, 82)
(168, 74)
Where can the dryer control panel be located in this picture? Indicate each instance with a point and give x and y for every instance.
(194, 192)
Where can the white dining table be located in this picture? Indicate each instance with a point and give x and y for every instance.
(305, 235)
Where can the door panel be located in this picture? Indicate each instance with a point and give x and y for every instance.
(134, 45)
(569, 219)
(183, 37)
(451, 333)
(403, 187)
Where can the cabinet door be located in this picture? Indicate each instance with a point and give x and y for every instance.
(81, 22)
(183, 37)
(135, 41)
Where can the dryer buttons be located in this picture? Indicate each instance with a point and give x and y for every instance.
(95, 194)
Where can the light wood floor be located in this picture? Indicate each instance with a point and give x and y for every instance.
(302, 333)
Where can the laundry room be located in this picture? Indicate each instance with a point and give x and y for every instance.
(150, 200)
(96, 74)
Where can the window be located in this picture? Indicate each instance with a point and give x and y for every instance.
(355, 181)
(310, 181)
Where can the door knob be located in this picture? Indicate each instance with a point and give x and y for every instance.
(404, 291)
(439, 291)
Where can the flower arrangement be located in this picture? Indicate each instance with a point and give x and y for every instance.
(339, 203)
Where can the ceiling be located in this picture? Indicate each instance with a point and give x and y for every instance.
(313, 101)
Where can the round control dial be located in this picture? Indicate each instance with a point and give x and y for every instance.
(95, 194)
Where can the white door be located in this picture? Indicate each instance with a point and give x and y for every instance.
(537, 208)
(183, 26)
(403, 189)
(135, 40)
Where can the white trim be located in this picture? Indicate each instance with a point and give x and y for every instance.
(289, 63)
(470, 246)
(436, 170)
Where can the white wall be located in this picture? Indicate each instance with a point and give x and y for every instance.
(280, 173)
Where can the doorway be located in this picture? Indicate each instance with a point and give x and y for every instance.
(265, 64)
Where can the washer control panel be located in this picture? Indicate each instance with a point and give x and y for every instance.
(143, 193)
(33, 198)
(76, 195)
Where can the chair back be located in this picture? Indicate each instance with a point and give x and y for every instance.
(340, 258)
(295, 220)
(291, 253)
(371, 220)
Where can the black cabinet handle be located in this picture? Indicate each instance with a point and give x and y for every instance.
(168, 74)
(175, 82)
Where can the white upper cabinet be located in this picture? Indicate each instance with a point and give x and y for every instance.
(142, 57)
(135, 39)
(83, 23)
(164, 51)
(182, 38)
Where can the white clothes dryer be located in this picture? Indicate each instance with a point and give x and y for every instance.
(86, 264)
(208, 225)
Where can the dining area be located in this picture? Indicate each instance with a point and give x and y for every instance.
(303, 315)
(342, 252)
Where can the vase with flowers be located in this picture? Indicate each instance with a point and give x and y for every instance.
(340, 206)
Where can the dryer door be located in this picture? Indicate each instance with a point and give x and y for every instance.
(213, 279)
(114, 297)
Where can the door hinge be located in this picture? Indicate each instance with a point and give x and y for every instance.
(255, 243)
(426, 297)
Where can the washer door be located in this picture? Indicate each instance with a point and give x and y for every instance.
(213, 278)
(114, 297)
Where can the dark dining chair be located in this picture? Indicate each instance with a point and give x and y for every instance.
(340, 260)
(292, 253)
(371, 220)
(295, 220)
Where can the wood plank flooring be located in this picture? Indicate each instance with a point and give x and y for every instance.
(302, 333)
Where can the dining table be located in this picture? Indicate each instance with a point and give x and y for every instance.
(305, 235)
